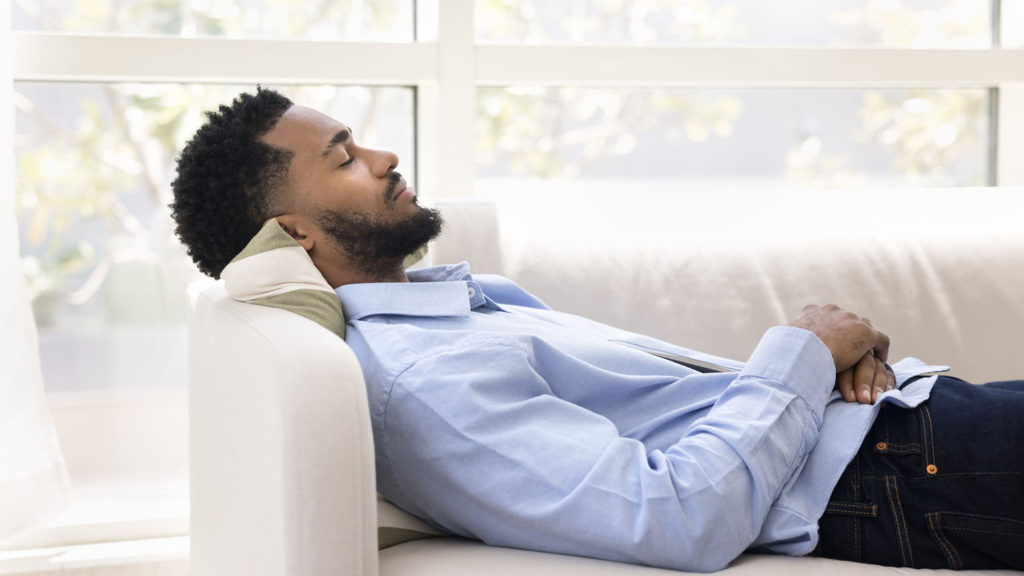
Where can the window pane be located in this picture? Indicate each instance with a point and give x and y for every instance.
(107, 276)
(734, 137)
(351, 20)
(888, 23)
(104, 269)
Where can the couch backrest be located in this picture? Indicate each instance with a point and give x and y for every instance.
(939, 270)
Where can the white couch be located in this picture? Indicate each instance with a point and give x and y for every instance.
(282, 466)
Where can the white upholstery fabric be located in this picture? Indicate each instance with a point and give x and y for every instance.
(282, 457)
(281, 451)
(939, 270)
(447, 556)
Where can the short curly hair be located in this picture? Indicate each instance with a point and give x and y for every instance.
(229, 180)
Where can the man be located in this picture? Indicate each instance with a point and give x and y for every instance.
(496, 418)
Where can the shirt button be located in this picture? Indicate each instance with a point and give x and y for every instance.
(472, 292)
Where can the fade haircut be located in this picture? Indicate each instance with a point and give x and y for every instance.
(229, 180)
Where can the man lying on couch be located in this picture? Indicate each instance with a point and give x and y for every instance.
(499, 419)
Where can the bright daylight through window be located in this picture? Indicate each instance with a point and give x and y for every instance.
(106, 274)
(607, 138)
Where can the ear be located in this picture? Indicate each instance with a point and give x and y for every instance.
(298, 228)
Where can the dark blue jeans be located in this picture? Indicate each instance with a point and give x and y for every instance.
(939, 486)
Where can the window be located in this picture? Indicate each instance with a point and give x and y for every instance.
(107, 275)
(94, 166)
(94, 157)
(900, 23)
(824, 130)
(768, 138)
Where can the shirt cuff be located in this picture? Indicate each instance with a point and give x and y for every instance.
(797, 359)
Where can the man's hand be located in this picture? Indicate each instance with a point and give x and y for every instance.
(858, 350)
(865, 381)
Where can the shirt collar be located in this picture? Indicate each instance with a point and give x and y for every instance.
(434, 291)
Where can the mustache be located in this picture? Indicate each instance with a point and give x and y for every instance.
(389, 193)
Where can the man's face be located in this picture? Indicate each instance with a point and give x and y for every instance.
(329, 171)
(351, 194)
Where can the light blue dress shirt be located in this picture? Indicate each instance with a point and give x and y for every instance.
(498, 419)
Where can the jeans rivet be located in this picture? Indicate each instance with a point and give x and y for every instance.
(881, 446)
(932, 469)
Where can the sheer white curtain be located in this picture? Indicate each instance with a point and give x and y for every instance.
(33, 478)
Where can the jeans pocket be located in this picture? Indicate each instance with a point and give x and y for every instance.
(972, 541)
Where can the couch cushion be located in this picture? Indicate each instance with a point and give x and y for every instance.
(456, 557)
(395, 526)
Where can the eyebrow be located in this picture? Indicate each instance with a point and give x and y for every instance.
(340, 137)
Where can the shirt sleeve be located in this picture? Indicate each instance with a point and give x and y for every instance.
(475, 442)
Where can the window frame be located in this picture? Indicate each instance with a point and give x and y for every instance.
(445, 64)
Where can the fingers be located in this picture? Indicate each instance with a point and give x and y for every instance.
(844, 381)
(881, 348)
(865, 381)
(890, 378)
(847, 336)
(864, 378)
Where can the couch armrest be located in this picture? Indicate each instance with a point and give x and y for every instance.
(281, 448)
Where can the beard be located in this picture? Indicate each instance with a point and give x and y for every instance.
(377, 248)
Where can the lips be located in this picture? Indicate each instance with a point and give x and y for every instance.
(394, 190)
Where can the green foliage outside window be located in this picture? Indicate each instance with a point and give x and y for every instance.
(94, 162)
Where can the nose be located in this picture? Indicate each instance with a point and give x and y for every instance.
(383, 162)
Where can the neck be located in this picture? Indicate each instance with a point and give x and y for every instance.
(339, 276)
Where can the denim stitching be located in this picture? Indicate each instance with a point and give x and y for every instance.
(1010, 522)
(993, 532)
(1012, 474)
(901, 449)
(856, 521)
(853, 509)
(922, 423)
(897, 449)
(855, 480)
(901, 522)
(952, 556)
(856, 539)
(929, 433)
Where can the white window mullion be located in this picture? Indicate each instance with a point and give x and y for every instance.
(93, 58)
(1010, 135)
(745, 66)
(1010, 107)
(428, 133)
(453, 103)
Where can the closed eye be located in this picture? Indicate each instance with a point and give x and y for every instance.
(346, 162)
